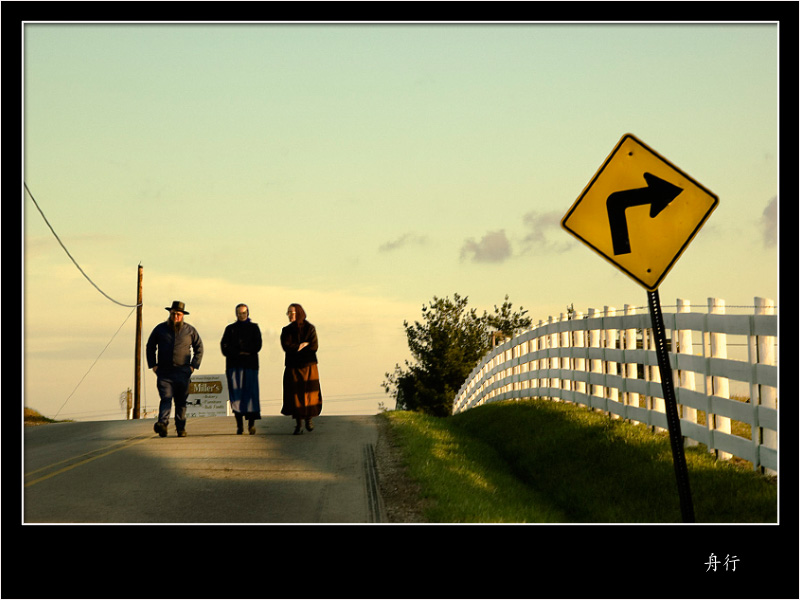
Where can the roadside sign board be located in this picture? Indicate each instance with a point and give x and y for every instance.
(208, 396)
(639, 212)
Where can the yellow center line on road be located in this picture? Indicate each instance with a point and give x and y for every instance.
(91, 456)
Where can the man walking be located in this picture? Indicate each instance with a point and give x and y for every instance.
(174, 352)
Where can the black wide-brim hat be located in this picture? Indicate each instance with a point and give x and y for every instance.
(178, 307)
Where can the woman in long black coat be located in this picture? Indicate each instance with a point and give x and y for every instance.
(302, 396)
(241, 343)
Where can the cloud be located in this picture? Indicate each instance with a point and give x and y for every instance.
(493, 247)
(542, 234)
(539, 228)
(404, 240)
(769, 223)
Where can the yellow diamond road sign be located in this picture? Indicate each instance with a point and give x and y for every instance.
(640, 212)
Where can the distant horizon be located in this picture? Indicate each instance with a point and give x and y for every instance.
(374, 403)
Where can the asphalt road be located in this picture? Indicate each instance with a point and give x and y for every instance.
(122, 472)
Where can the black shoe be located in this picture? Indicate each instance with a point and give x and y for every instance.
(239, 431)
(309, 425)
(251, 430)
(298, 430)
(181, 433)
(160, 429)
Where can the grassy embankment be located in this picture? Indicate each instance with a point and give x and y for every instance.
(545, 462)
(34, 417)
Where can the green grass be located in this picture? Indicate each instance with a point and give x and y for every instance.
(537, 461)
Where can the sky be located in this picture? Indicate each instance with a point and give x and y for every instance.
(361, 171)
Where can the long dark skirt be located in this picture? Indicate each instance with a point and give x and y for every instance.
(302, 396)
(243, 392)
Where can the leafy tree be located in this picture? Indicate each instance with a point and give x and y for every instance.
(506, 322)
(446, 346)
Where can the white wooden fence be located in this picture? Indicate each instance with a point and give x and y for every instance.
(607, 361)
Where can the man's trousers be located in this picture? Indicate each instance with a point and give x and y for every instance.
(173, 386)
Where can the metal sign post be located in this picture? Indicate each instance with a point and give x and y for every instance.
(640, 212)
(671, 408)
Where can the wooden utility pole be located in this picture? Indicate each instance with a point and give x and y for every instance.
(137, 386)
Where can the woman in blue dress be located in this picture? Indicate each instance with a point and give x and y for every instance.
(240, 345)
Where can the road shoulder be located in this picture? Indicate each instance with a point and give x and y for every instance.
(400, 495)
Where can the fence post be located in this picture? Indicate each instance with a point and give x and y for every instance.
(595, 364)
(552, 361)
(610, 367)
(720, 385)
(539, 345)
(579, 341)
(683, 338)
(522, 367)
(631, 369)
(515, 354)
(564, 359)
(766, 395)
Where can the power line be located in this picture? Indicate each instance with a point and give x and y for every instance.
(94, 363)
(70, 255)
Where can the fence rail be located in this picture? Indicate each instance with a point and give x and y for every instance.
(607, 361)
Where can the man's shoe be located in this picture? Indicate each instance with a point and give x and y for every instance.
(160, 429)
(182, 433)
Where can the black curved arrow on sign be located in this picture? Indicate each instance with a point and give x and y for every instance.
(658, 194)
